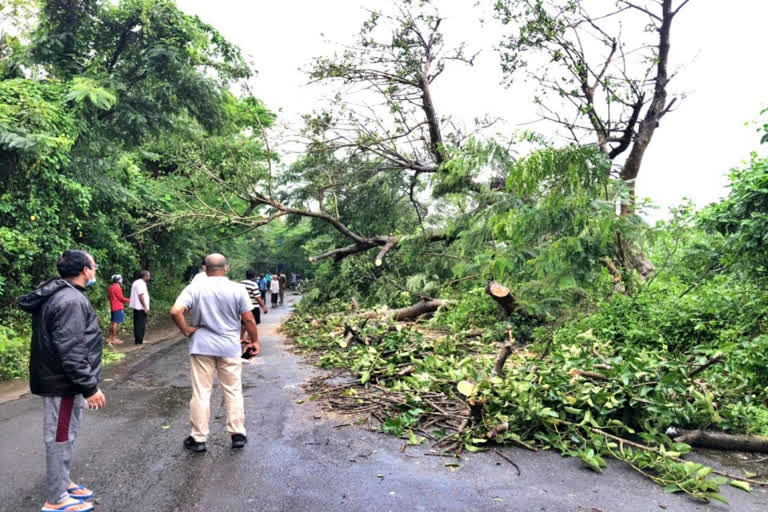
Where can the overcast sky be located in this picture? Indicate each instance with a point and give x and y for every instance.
(719, 45)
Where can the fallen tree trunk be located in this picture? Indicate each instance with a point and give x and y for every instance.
(720, 440)
(420, 308)
(618, 282)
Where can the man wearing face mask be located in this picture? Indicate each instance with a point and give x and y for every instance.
(65, 369)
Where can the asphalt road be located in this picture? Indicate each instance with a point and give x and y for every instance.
(297, 459)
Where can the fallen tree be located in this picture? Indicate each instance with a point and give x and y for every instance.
(719, 440)
(422, 307)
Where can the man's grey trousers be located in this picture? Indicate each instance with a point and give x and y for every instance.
(61, 422)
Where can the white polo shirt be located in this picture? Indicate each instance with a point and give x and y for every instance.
(139, 287)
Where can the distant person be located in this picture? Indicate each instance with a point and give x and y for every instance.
(283, 283)
(274, 291)
(140, 304)
(268, 279)
(263, 286)
(252, 287)
(217, 306)
(65, 369)
(200, 275)
(191, 272)
(117, 302)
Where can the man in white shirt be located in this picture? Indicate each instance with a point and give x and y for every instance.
(252, 287)
(200, 275)
(217, 307)
(274, 290)
(139, 302)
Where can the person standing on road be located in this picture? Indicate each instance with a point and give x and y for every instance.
(262, 286)
(274, 291)
(140, 304)
(255, 295)
(283, 283)
(65, 369)
(217, 306)
(200, 275)
(117, 302)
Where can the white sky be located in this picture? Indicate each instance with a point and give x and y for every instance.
(719, 44)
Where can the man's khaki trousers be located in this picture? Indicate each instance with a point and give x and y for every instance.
(202, 371)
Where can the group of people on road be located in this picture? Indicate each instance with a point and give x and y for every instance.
(138, 302)
(212, 311)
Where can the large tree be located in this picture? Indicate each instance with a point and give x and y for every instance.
(607, 71)
(381, 132)
(83, 97)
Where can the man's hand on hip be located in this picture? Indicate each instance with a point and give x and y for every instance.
(96, 401)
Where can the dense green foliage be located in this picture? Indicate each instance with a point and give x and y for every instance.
(105, 110)
(685, 348)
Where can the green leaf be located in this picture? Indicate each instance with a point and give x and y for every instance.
(740, 484)
(414, 440)
(465, 387)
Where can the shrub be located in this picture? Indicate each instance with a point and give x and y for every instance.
(14, 354)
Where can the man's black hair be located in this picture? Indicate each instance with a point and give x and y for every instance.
(143, 274)
(72, 261)
(250, 274)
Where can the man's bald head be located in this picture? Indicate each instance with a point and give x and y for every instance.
(216, 265)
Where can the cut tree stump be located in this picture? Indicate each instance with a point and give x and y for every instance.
(502, 296)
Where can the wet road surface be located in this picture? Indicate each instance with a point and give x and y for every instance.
(297, 458)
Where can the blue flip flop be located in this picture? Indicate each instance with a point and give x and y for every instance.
(88, 496)
(70, 507)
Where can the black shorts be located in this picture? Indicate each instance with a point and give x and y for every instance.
(256, 315)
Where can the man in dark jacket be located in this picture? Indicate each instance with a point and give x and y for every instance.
(65, 369)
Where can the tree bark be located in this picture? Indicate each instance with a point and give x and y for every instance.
(618, 284)
(410, 312)
(720, 440)
(655, 112)
(502, 296)
(476, 407)
(504, 353)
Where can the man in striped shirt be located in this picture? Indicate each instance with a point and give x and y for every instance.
(252, 287)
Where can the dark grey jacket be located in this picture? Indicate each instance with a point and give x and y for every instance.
(65, 356)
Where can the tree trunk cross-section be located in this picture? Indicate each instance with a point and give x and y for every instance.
(502, 296)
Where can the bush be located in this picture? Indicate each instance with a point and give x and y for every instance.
(14, 353)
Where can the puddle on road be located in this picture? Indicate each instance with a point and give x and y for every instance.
(169, 401)
(755, 462)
